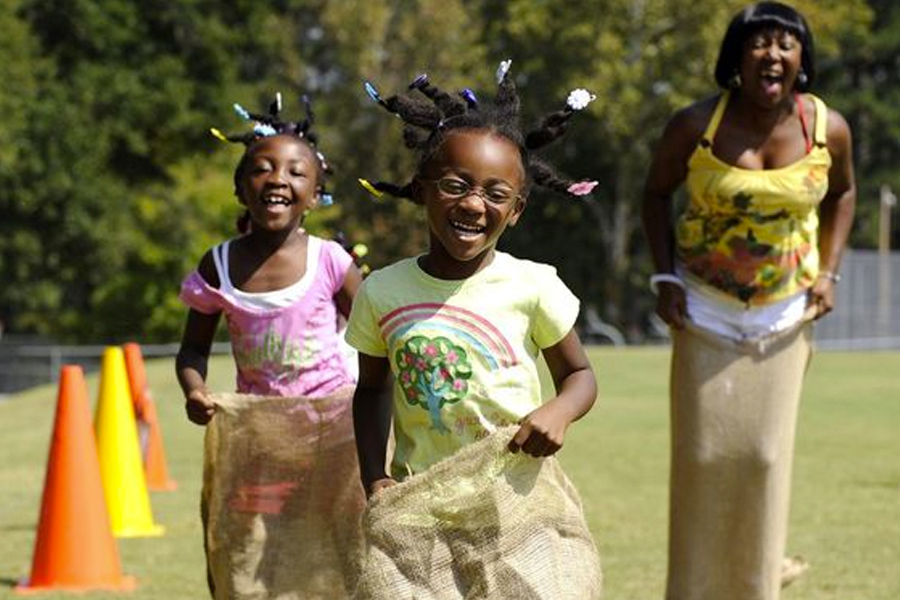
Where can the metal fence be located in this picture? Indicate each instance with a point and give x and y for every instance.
(26, 362)
(867, 304)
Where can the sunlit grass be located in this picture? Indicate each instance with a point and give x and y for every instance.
(846, 507)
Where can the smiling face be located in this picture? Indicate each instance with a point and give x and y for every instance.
(472, 190)
(278, 182)
(770, 63)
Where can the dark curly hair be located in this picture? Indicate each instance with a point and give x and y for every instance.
(429, 114)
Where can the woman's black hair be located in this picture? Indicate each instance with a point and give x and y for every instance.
(429, 114)
(270, 124)
(764, 15)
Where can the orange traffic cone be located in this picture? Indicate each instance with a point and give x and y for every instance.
(75, 549)
(124, 483)
(149, 432)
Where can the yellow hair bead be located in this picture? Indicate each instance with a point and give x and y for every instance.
(218, 134)
(370, 188)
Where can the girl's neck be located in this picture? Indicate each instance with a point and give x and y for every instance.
(440, 266)
(268, 242)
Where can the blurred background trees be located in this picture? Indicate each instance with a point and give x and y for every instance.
(111, 187)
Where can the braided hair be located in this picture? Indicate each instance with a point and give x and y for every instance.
(429, 114)
(270, 124)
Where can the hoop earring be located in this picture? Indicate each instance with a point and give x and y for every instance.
(734, 82)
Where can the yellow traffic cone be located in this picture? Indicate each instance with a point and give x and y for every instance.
(121, 467)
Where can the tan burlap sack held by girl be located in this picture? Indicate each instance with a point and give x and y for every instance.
(282, 501)
(484, 523)
(734, 414)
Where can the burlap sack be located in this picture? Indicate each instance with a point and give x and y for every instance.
(282, 501)
(734, 413)
(484, 523)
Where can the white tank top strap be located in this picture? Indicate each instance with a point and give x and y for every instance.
(220, 258)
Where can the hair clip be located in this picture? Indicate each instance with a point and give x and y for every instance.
(470, 98)
(240, 110)
(218, 134)
(326, 199)
(579, 99)
(372, 92)
(264, 130)
(503, 69)
(367, 185)
(582, 188)
(419, 82)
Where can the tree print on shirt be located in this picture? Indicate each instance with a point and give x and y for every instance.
(433, 372)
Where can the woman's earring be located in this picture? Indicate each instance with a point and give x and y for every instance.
(802, 78)
(734, 82)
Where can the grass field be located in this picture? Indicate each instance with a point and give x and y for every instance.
(845, 518)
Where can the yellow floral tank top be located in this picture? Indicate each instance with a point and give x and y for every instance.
(752, 234)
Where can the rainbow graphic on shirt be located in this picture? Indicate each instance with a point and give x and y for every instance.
(434, 362)
(458, 323)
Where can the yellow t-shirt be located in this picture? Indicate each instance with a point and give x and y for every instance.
(463, 353)
(751, 235)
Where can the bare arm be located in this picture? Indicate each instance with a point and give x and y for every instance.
(835, 212)
(543, 431)
(667, 172)
(193, 355)
(372, 413)
(191, 365)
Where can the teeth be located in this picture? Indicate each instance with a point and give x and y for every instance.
(466, 227)
(276, 200)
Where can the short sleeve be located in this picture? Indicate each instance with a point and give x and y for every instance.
(198, 294)
(363, 332)
(556, 310)
(337, 262)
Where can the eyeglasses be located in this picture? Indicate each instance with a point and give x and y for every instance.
(452, 187)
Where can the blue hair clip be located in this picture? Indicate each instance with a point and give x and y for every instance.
(470, 98)
(326, 199)
(419, 81)
(503, 69)
(372, 92)
(264, 130)
(240, 110)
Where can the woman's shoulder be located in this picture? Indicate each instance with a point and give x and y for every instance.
(686, 127)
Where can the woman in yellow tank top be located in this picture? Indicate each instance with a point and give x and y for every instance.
(749, 263)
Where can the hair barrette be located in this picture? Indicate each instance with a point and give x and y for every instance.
(218, 134)
(367, 185)
(419, 82)
(240, 110)
(503, 69)
(470, 97)
(264, 129)
(579, 99)
(582, 188)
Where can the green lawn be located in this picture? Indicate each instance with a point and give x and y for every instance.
(846, 509)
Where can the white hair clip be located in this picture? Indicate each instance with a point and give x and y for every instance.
(579, 99)
(264, 130)
(503, 69)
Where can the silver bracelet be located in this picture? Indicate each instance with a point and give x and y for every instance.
(830, 275)
(658, 278)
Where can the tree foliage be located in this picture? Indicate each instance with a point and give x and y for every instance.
(112, 187)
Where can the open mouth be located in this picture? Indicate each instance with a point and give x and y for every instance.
(467, 229)
(772, 82)
(276, 201)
